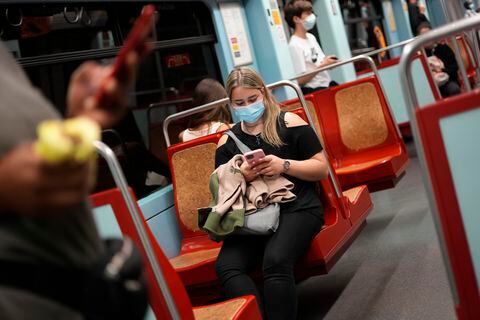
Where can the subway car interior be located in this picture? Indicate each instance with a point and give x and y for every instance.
(399, 131)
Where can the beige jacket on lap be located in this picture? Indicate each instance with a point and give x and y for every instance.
(233, 198)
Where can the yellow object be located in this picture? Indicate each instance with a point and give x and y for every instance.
(380, 39)
(276, 17)
(70, 140)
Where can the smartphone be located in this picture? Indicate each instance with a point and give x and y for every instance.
(254, 156)
(135, 41)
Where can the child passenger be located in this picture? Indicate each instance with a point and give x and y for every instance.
(307, 56)
(292, 149)
(215, 120)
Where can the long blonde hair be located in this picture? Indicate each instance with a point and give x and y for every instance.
(248, 78)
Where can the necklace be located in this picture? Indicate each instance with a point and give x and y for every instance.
(255, 131)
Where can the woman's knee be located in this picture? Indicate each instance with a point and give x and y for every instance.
(277, 262)
(226, 269)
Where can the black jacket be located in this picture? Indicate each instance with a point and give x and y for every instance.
(444, 53)
(416, 17)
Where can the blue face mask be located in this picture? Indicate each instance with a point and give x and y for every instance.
(309, 22)
(250, 113)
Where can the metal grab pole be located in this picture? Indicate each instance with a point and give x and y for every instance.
(187, 113)
(412, 105)
(362, 57)
(475, 55)
(461, 64)
(393, 46)
(121, 183)
(214, 104)
(301, 98)
(414, 46)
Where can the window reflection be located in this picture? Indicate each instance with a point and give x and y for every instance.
(51, 42)
(364, 25)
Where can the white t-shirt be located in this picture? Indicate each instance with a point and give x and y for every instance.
(307, 56)
(194, 134)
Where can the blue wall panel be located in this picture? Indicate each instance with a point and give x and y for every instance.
(460, 134)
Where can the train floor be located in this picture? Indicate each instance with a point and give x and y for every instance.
(393, 270)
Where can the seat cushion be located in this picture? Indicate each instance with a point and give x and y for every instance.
(220, 311)
(196, 261)
(354, 193)
(191, 259)
(363, 165)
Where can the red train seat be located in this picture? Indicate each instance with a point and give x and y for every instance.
(356, 201)
(447, 131)
(359, 134)
(191, 164)
(242, 308)
(343, 217)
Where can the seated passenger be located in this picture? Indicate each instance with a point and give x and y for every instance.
(292, 149)
(144, 172)
(446, 76)
(215, 120)
(307, 56)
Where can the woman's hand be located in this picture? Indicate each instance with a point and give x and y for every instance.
(248, 172)
(35, 187)
(270, 165)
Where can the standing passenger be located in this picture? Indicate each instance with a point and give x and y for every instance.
(307, 56)
(416, 14)
(292, 149)
(215, 120)
(48, 239)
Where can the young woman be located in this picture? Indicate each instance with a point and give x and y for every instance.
(215, 120)
(292, 149)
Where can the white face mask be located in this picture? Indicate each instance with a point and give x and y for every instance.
(309, 22)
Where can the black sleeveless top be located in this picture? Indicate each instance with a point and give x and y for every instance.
(300, 143)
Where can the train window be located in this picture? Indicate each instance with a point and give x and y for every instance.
(57, 29)
(363, 24)
(51, 41)
(184, 37)
(175, 20)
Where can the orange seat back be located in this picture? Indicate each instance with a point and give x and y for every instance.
(355, 118)
(114, 198)
(191, 164)
(465, 52)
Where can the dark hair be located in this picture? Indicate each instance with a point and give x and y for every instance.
(209, 90)
(422, 26)
(295, 9)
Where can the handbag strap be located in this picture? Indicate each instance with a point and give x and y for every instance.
(241, 146)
